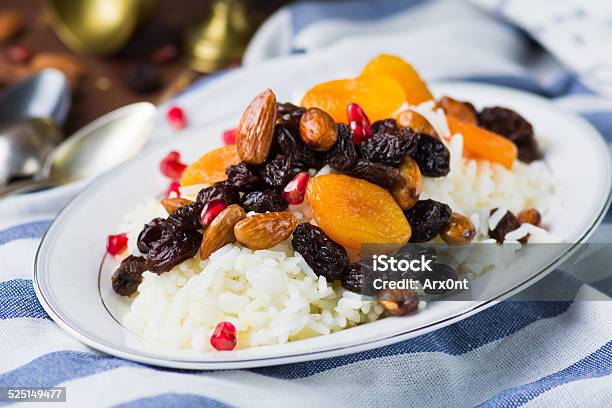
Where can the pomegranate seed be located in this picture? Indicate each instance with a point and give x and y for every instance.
(173, 190)
(176, 117)
(359, 123)
(224, 337)
(171, 166)
(116, 244)
(294, 191)
(229, 136)
(211, 210)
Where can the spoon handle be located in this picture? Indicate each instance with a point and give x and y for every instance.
(25, 186)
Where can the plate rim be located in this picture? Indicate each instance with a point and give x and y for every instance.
(174, 362)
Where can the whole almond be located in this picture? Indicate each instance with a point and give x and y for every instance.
(416, 122)
(263, 231)
(11, 24)
(407, 191)
(220, 232)
(256, 129)
(318, 130)
(173, 204)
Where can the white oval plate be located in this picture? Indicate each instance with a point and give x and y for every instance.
(71, 284)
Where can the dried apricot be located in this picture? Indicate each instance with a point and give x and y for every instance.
(353, 212)
(210, 168)
(481, 144)
(415, 88)
(379, 96)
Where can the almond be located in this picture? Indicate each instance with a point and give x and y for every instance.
(263, 231)
(11, 24)
(417, 123)
(220, 232)
(318, 130)
(173, 204)
(407, 191)
(256, 128)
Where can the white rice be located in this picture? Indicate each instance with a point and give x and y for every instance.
(273, 296)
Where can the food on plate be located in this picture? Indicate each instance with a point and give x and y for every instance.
(259, 244)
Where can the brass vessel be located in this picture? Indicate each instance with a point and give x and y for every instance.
(221, 38)
(98, 27)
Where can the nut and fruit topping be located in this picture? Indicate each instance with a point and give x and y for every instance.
(224, 337)
(398, 302)
(211, 167)
(171, 166)
(220, 232)
(416, 122)
(229, 136)
(343, 207)
(295, 190)
(359, 123)
(427, 218)
(176, 117)
(530, 216)
(127, 277)
(116, 244)
(211, 210)
(318, 130)
(256, 128)
(458, 230)
(326, 257)
(173, 190)
(461, 110)
(263, 231)
(506, 224)
(173, 204)
(408, 189)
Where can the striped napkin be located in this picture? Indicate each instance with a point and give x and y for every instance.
(512, 354)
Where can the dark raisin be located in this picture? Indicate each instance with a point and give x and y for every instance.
(427, 218)
(186, 218)
(326, 257)
(528, 150)
(377, 173)
(150, 233)
(514, 127)
(219, 191)
(389, 144)
(508, 223)
(262, 201)
(290, 144)
(243, 177)
(354, 278)
(384, 125)
(432, 156)
(289, 114)
(342, 155)
(278, 172)
(172, 250)
(127, 277)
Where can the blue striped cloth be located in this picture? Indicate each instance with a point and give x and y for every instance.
(513, 354)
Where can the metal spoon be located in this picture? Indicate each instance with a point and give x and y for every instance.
(98, 147)
(44, 95)
(24, 145)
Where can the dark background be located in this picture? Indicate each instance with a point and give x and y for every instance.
(105, 84)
